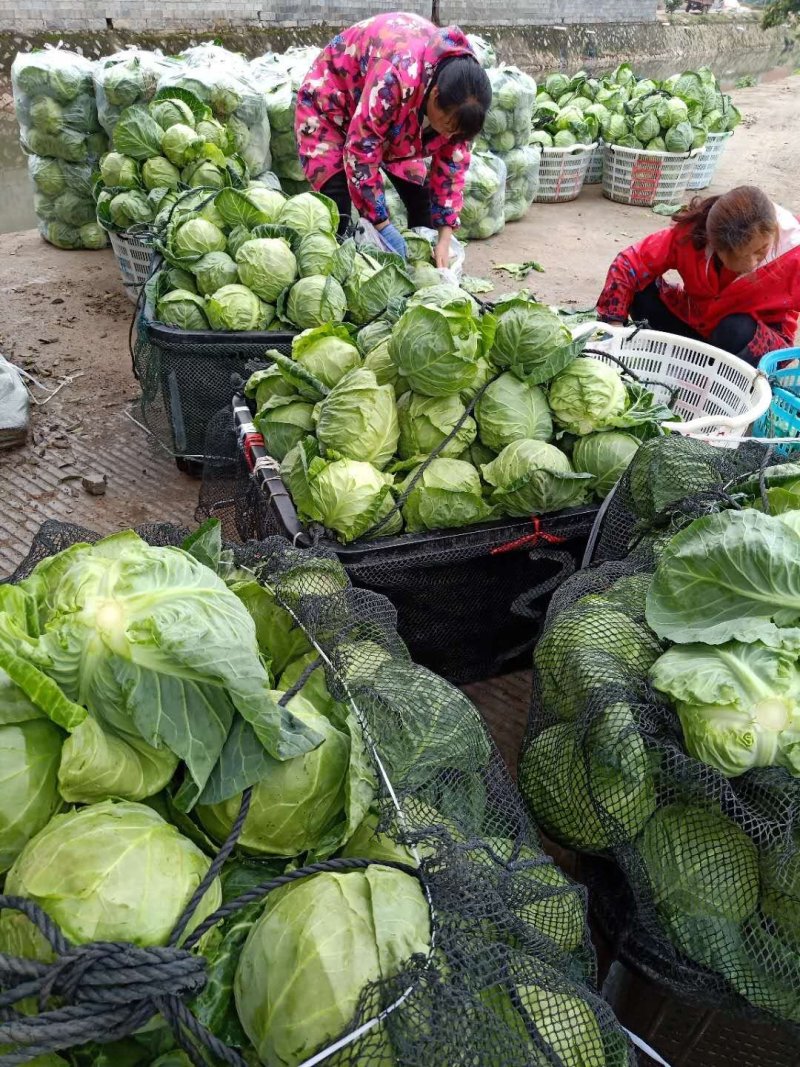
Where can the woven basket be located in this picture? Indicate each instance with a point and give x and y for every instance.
(641, 178)
(562, 173)
(134, 260)
(708, 160)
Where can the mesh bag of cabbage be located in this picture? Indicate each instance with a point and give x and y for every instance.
(437, 933)
(434, 579)
(664, 768)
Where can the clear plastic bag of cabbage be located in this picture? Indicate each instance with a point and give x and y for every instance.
(484, 50)
(522, 180)
(483, 211)
(508, 121)
(64, 203)
(236, 101)
(403, 795)
(55, 105)
(130, 76)
(664, 721)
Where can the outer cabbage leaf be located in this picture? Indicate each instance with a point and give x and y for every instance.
(739, 704)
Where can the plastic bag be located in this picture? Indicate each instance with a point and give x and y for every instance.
(55, 105)
(522, 180)
(128, 77)
(508, 120)
(483, 213)
(280, 77)
(14, 406)
(484, 50)
(236, 100)
(64, 204)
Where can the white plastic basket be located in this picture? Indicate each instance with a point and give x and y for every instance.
(707, 161)
(594, 172)
(716, 394)
(134, 260)
(562, 173)
(636, 176)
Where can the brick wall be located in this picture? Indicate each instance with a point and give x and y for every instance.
(31, 16)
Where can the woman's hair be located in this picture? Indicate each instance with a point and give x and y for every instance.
(464, 91)
(730, 221)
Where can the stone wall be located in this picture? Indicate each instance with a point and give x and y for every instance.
(32, 16)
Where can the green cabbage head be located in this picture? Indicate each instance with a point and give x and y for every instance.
(29, 757)
(703, 874)
(531, 341)
(531, 478)
(361, 926)
(306, 804)
(358, 419)
(328, 352)
(592, 795)
(426, 421)
(436, 349)
(448, 493)
(315, 301)
(587, 396)
(605, 456)
(267, 266)
(235, 307)
(510, 410)
(86, 869)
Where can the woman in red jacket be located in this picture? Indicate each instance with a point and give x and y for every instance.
(738, 256)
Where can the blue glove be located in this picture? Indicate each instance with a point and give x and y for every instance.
(393, 239)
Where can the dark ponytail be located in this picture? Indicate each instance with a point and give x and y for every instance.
(465, 92)
(728, 222)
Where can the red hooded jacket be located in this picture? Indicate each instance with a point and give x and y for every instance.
(360, 109)
(708, 292)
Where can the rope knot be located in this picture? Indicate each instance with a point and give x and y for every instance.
(109, 974)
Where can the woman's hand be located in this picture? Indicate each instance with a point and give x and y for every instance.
(441, 254)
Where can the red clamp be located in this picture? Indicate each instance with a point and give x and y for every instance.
(530, 540)
(249, 442)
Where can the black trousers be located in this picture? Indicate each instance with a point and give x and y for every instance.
(733, 334)
(416, 200)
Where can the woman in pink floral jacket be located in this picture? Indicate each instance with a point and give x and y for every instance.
(389, 93)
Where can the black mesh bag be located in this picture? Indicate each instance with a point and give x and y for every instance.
(504, 974)
(703, 893)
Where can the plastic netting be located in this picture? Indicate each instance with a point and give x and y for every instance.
(470, 601)
(704, 887)
(184, 376)
(506, 976)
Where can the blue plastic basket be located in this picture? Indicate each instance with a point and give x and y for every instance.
(782, 418)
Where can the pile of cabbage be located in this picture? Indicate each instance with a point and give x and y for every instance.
(675, 115)
(374, 437)
(668, 725)
(255, 259)
(172, 143)
(280, 77)
(60, 132)
(150, 689)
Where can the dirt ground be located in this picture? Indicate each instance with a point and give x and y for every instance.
(65, 319)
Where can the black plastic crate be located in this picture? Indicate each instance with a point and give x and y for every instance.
(470, 601)
(185, 375)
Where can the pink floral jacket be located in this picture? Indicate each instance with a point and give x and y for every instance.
(360, 109)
